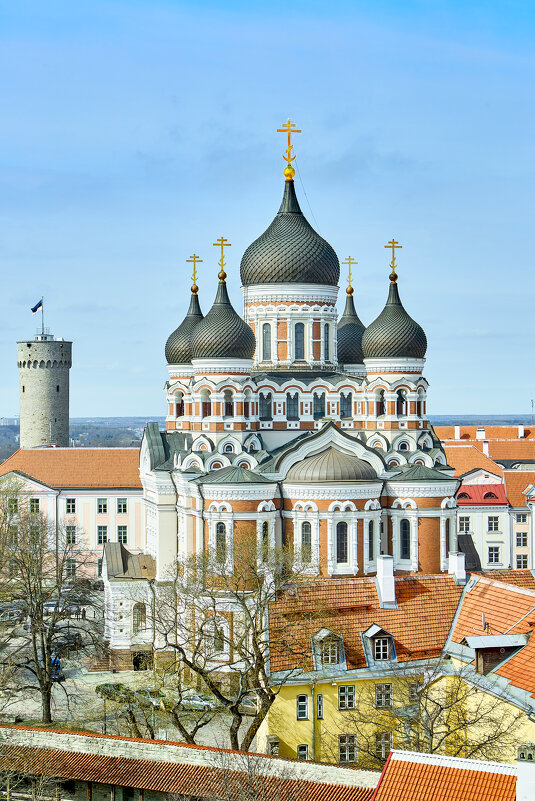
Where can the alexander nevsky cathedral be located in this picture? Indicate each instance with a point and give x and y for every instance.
(306, 427)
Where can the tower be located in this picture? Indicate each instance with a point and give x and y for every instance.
(44, 365)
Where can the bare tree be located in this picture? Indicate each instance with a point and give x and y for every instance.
(438, 709)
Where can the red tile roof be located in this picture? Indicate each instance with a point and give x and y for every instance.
(77, 467)
(516, 482)
(520, 578)
(410, 776)
(491, 432)
(465, 458)
(350, 606)
(481, 495)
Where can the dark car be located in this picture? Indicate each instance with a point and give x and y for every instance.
(66, 641)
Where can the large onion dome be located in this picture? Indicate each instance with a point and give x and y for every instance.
(290, 250)
(394, 334)
(178, 346)
(222, 334)
(350, 331)
(330, 465)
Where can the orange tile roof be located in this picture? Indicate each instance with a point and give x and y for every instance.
(350, 606)
(519, 449)
(516, 482)
(410, 776)
(491, 432)
(77, 467)
(520, 578)
(469, 457)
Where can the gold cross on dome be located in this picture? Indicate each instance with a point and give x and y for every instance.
(393, 245)
(349, 261)
(194, 260)
(289, 128)
(222, 243)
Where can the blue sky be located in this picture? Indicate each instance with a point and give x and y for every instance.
(134, 133)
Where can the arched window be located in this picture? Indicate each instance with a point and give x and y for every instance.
(401, 403)
(139, 618)
(221, 543)
(228, 403)
(371, 544)
(265, 539)
(306, 542)
(299, 332)
(179, 404)
(216, 466)
(266, 342)
(403, 446)
(488, 495)
(404, 539)
(319, 405)
(229, 448)
(326, 354)
(341, 542)
(448, 536)
(463, 495)
(206, 405)
(380, 403)
(266, 406)
(346, 405)
(214, 637)
(292, 406)
(247, 404)
(420, 404)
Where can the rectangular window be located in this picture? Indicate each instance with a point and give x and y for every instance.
(122, 534)
(13, 536)
(70, 535)
(70, 569)
(494, 555)
(383, 696)
(493, 524)
(302, 707)
(464, 525)
(414, 697)
(70, 506)
(302, 752)
(330, 652)
(522, 561)
(13, 506)
(102, 535)
(102, 506)
(347, 748)
(521, 517)
(522, 539)
(383, 744)
(34, 506)
(346, 696)
(99, 568)
(121, 506)
(319, 702)
(381, 648)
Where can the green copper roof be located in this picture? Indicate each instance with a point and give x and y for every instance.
(420, 472)
(232, 475)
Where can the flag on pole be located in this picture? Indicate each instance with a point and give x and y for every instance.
(37, 306)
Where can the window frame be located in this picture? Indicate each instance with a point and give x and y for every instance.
(330, 651)
(299, 342)
(301, 704)
(346, 697)
(319, 706)
(405, 539)
(303, 756)
(35, 506)
(347, 746)
(70, 506)
(102, 534)
(384, 695)
(70, 535)
(122, 502)
(306, 547)
(496, 555)
(521, 517)
(338, 531)
(464, 524)
(524, 541)
(381, 645)
(266, 339)
(102, 506)
(523, 557)
(122, 534)
(383, 744)
(493, 523)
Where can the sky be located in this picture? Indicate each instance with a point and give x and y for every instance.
(136, 132)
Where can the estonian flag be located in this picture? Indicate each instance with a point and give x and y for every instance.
(37, 306)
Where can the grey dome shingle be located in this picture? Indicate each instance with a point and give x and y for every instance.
(394, 334)
(330, 465)
(290, 250)
(178, 345)
(350, 331)
(222, 334)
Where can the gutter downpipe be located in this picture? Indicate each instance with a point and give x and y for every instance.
(281, 514)
(314, 721)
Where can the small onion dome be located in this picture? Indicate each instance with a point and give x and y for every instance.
(330, 465)
(222, 334)
(290, 250)
(350, 331)
(178, 346)
(394, 334)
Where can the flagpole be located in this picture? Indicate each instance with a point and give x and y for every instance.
(42, 316)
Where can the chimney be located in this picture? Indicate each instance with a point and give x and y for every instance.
(385, 582)
(525, 772)
(521, 432)
(486, 447)
(456, 566)
(457, 434)
(480, 432)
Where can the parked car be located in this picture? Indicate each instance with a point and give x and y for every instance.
(65, 641)
(10, 616)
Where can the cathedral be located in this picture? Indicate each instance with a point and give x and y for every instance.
(307, 428)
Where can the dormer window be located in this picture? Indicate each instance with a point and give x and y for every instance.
(489, 495)
(381, 649)
(463, 495)
(330, 652)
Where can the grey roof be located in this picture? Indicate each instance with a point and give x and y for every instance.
(222, 334)
(178, 346)
(232, 475)
(394, 334)
(465, 544)
(420, 472)
(305, 376)
(290, 250)
(350, 331)
(120, 563)
(330, 465)
(497, 641)
(162, 445)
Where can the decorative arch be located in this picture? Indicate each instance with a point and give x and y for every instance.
(420, 457)
(224, 443)
(217, 462)
(372, 505)
(448, 503)
(203, 444)
(305, 506)
(266, 506)
(404, 503)
(342, 506)
(192, 461)
(218, 508)
(377, 441)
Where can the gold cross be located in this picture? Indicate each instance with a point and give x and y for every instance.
(349, 261)
(289, 128)
(222, 243)
(393, 245)
(193, 260)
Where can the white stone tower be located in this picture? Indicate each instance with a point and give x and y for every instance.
(44, 365)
